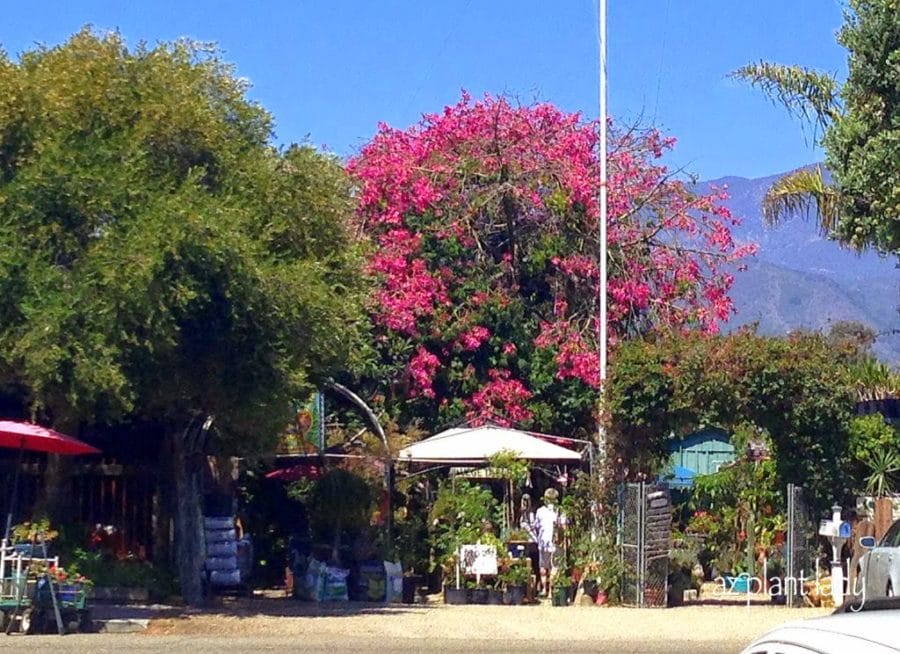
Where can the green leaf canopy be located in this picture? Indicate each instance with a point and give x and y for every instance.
(159, 257)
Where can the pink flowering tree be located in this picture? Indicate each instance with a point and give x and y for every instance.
(483, 225)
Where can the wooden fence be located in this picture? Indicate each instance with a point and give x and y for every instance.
(122, 496)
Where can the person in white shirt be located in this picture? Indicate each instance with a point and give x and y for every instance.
(546, 519)
(527, 519)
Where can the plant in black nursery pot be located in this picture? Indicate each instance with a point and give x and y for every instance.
(514, 576)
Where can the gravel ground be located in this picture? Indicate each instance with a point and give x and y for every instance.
(268, 624)
(614, 626)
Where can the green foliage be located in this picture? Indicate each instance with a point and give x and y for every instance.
(794, 389)
(36, 531)
(861, 132)
(411, 539)
(870, 435)
(863, 144)
(514, 572)
(507, 464)
(737, 503)
(160, 257)
(458, 515)
(883, 469)
(341, 499)
(809, 95)
(105, 570)
(874, 380)
(799, 193)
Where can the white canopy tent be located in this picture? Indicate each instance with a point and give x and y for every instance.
(473, 445)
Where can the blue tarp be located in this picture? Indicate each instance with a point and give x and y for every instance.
(680, 477)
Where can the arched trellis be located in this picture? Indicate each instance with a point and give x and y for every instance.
(373, 423)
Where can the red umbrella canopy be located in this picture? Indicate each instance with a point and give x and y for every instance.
(34, 438)
(297, 472)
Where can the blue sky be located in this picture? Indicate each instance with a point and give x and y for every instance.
(330, 70)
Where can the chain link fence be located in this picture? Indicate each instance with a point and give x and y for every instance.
(645, 537)
(801, 546)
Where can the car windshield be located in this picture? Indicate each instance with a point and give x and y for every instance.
(892, 537)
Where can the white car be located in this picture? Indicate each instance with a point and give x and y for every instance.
(873, 630)
(880, 567)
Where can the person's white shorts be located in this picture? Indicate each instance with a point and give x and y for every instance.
(545, 559)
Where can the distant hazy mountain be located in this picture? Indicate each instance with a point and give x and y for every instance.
(801, 279)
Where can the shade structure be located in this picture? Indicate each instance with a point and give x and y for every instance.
(24, 436)
(473, 445)
(34, 438)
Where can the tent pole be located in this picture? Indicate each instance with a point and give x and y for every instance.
(15, 491)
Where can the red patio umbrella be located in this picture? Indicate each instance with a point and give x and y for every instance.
(296, 472)
(34, 438)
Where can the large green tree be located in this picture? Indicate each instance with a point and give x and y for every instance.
(795, 390)
(861, 131)
(160, 259)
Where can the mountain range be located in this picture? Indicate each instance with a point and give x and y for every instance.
(800, 279)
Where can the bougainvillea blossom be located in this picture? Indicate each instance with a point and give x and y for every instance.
(485, 243)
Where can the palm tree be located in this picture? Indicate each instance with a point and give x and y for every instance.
(813, 97)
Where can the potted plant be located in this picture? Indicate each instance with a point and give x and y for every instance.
(883, 468)
(340, 500)
(681, 575)
(495, 592)
(561, 585)
(514, 575)
(478, 591)
(588, 578)
(452, 593)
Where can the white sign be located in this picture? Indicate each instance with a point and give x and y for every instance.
(478, 559)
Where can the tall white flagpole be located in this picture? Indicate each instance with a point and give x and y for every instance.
(603, 204)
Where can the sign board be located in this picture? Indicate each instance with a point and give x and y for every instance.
(306, 435)
(478, 559)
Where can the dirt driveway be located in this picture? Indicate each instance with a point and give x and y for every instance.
(269, 617)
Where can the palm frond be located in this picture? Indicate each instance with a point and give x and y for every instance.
(807, 94)
(800, 193)
(883, 468)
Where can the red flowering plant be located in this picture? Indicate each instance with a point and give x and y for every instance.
(58, 574)
(483, 225)
(702, 522)
(68, 576)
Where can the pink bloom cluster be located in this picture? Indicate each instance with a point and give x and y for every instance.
(501, 401)
(454, 205)
(422, 367)
(473, 338)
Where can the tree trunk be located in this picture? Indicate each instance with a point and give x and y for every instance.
(884, 516)
(189, 546)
